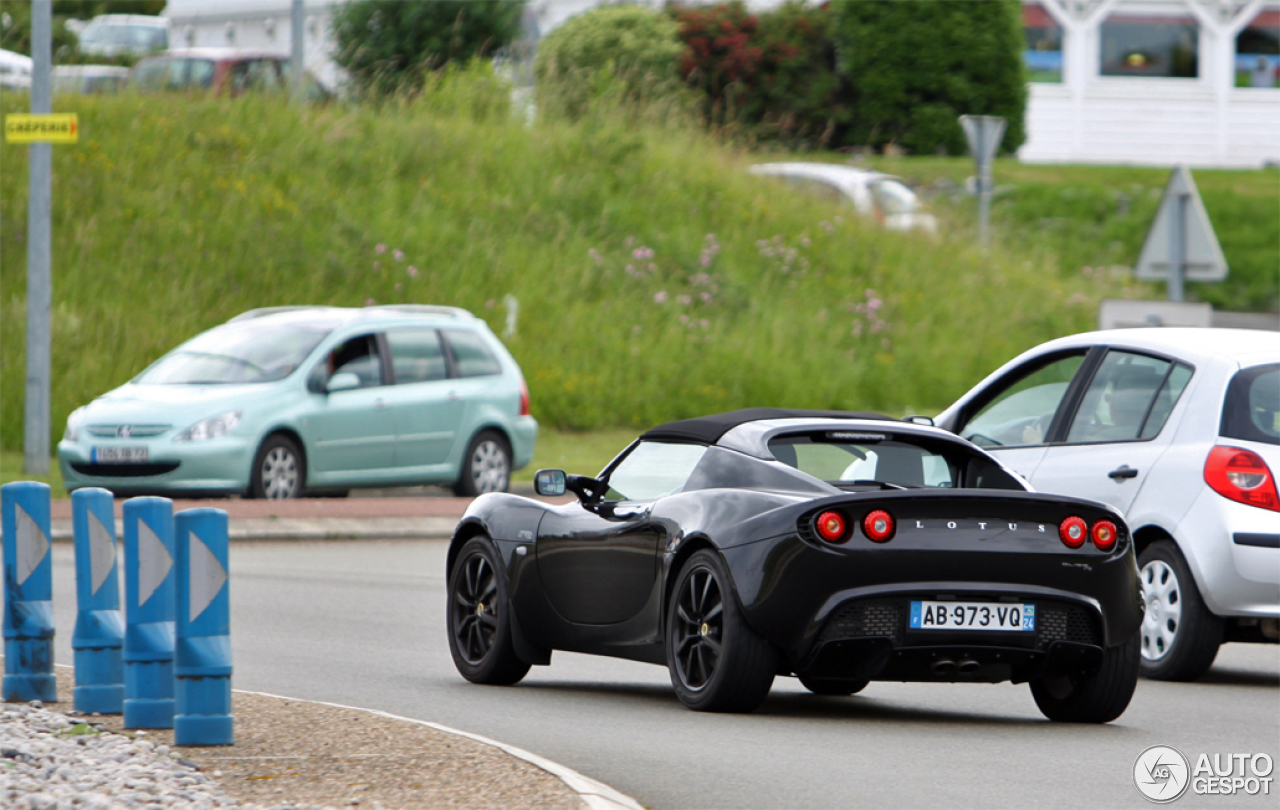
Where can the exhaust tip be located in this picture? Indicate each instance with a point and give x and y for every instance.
(943, 666)
(968, 665)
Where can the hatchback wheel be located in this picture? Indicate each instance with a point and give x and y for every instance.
(1180, 637)
(486, 467)
(278, 470)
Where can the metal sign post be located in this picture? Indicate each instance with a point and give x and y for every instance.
(297, 48)
(35, 442)
(99, 633)
(984, 134)
(28, 594)
(1181, 245)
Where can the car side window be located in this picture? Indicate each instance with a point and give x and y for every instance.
(1122, 395)
(358, 356)
(1020, 414)
(471, 358)
(653, 470)
(202, 71)
(416, 356)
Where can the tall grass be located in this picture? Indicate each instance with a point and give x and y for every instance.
(656, 279)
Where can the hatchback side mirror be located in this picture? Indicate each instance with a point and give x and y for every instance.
(549, 483)
(342, 381)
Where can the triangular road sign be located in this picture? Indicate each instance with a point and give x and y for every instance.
(1202, 259)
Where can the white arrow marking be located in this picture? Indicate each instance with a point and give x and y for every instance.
(102, 551)
(154, 562)
(207, 576)
(33, 545)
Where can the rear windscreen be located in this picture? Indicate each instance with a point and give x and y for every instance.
(852, 459)
(1251, 410)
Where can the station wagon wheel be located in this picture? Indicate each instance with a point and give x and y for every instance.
(717, 661)
(1180, 637)
(278, 470)
(486, 466)
(479, 620)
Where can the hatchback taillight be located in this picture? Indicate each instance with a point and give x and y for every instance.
(1242, 476)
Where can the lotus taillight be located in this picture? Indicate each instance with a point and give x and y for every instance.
(1073, 531)
(1242, 476)
(878, 526)
(831, 526)
(1104, 535)
(524, 399)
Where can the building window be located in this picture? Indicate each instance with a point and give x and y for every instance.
(1258, 52)
(1150, 45)
(1043, 53)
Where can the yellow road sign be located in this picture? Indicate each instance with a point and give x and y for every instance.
(41, 128)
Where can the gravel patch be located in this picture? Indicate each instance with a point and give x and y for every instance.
(287, 754)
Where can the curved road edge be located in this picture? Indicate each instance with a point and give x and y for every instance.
(595, 794)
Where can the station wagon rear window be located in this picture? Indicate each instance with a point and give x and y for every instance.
(853, 459)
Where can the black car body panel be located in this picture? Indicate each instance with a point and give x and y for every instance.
(595, 576)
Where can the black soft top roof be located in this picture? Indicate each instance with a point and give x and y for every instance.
(709, 429)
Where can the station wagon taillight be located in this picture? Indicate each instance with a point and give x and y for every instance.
(524, 399)
(1073, 532)
(831, 526)
(878, 526)
(1242, 476)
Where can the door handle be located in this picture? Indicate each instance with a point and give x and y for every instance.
(379, 403)
(452, 397)
(1122, 472)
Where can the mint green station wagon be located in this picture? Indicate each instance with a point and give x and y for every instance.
(291, 401)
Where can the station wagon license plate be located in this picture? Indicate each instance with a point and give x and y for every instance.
(1002, 616)
(120, 455)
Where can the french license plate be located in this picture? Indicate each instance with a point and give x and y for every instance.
(120, 455)
(1003, 616)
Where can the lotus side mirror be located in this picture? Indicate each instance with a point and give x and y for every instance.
(550, 483)
(343, 381)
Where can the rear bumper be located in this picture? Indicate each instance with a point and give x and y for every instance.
(1232, 549)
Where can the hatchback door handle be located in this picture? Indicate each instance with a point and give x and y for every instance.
(379, 403)
(1122, 472)
(453, 396)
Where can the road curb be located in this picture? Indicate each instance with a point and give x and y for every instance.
(594, 794)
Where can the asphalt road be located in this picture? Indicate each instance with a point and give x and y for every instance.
(362, 623)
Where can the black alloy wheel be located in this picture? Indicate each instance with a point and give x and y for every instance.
(478, 616)
(837, 687)
(717, 662)
(1099, 698)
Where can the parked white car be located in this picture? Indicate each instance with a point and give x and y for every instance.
(89, 79)
(873, 194)
(1180, 430)
(116, 34)
(15, 71)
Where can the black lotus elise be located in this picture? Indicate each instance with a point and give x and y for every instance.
(837, 547)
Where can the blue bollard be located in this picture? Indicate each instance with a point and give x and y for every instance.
(203, 660)
(99, 634)
(28, 594)
(149, 611)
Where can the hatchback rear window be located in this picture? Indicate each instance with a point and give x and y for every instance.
(1252, 407)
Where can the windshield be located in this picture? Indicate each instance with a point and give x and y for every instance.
(895, 198)
(854, 459)
(246, 352)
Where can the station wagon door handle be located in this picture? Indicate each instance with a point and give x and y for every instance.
(379, 403)
(453, 396)
(1122, 472)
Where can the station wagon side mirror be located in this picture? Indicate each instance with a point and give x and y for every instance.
(342, 381)
(549, 483)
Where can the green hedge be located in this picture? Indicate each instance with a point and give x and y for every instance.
(914, 67)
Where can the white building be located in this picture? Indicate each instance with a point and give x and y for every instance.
(1153, 82)
(260, 25)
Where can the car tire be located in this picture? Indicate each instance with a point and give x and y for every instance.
(1180, 637)
(837, 687)
(1099, 698)
(486, 467)
(718, 663)
(279, 469)
(479, 617)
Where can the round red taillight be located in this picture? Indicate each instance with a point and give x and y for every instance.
(1104, 534)
(878, 526)
(1073, 532)
(831, 527)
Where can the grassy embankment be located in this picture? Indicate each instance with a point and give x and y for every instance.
(656, 278)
